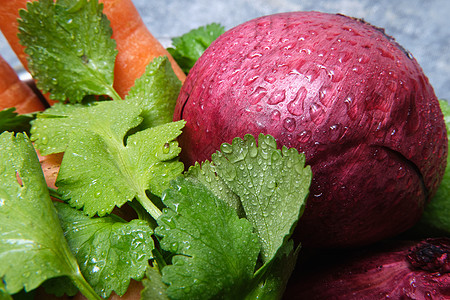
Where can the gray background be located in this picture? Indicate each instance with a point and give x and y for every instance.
(421, 27)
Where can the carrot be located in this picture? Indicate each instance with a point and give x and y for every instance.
(16, 93)
(135, 44)
(50, 166)
(9, 13)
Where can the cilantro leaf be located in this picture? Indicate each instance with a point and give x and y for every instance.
(109, 250)
(65, 64)
(156, 92)
(215, 251)
(274, 277)
(190, 46)
(98, 176)
(32, 244)
(154, 287)
(60, 286)
(272, 184)
(12, 121)
(205, 173)
(101, 167)
(54, 128)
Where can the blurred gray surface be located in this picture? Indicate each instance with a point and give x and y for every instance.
(420, 26)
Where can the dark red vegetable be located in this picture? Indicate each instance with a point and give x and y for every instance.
(390, 270)
(341, 91)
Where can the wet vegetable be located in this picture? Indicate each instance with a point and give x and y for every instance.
(391, 270)
(341, 91)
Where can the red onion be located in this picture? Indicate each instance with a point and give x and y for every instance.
(341, 91)
(391, 270)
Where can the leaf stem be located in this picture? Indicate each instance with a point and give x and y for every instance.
(151, 208)
(113, 94)
(55, 194)
(84, 287)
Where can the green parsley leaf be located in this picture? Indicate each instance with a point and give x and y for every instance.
(101, 168)
(156, 92)
(154, 287)
(109, 250)
(215, 251)
(65, 64)
(12, 121)
(436, 216)
(190, 46)
(32, 244)
(272, 184)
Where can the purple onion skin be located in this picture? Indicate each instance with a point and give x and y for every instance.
(339, 90)
(390, 270)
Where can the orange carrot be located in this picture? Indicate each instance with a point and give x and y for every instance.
(9, 13)
(15, 93)
(135, 44)
(50, 166)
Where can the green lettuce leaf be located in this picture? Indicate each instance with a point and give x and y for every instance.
(109, 250)
(215, 251)
(190, 46)
(65, 64)
(272, 185)
(32, 244)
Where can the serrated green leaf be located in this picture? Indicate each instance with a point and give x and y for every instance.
(154, 287)
(156, 92)
(71, 53)
(190, 46)
(52, 130)
(205, 173)
(272, 184)
(272, 283)
(32, 244)
(12, 121)
(99, 171)
(98, 174)
(109, 250)
(215, 251)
